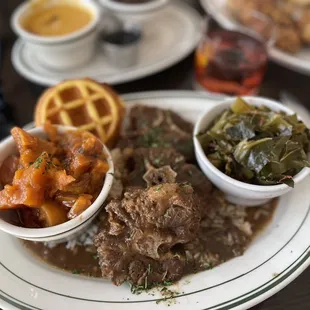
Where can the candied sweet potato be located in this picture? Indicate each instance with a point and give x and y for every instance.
(52, 213)
(30, 147)
(28, 187)
(8, 168)
(80, 205)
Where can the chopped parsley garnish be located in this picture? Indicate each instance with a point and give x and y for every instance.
(158, 188)
(153, 138)
(136, 289)
(156, 161)
(38, 161)
(169, 296)
(43, 157)
(207, 266)
(183, 185)
(167, 283)
(76, 271)
(149, 268)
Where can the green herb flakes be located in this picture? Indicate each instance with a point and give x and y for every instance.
(208, 266)
(76, 271)
(156, 161)
(145, 283)
(136, 289)
(37, 163)
(149, 269)
(167, 283)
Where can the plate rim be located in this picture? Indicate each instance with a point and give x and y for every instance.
(259, 294)
(243, 301)
(286, 60)
(147, 70)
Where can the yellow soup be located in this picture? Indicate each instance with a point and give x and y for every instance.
(57, 20)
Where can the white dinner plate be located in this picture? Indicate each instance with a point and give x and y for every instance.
(275, 258)
(299, 62)
(167, 38)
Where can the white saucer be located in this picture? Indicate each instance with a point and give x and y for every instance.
(128, 8)
(166, 40)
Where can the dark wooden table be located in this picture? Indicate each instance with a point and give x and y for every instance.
(22, 96)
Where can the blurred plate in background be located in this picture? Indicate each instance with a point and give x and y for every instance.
(299, 62)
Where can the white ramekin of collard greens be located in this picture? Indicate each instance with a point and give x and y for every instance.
(236, 191)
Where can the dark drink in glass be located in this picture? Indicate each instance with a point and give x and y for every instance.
(230, 62)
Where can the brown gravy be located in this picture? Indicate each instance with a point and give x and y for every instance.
(83, 259)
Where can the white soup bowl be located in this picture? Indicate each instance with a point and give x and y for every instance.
(60, 52)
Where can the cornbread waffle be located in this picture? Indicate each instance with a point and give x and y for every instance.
(84, 104)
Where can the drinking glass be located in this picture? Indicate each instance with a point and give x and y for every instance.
(232, 61)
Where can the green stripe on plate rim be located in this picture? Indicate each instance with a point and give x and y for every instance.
(223, 306)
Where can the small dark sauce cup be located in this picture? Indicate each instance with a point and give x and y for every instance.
(122, 46)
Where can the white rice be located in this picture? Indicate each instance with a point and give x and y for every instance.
(85, 239)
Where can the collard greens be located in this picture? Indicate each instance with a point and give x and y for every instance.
(257, 145)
